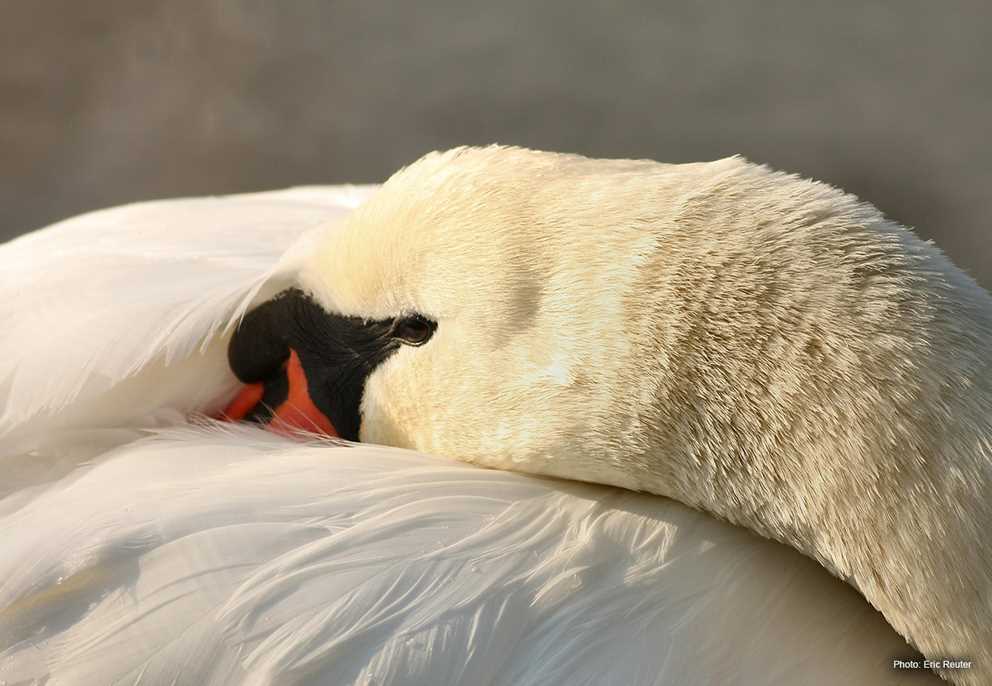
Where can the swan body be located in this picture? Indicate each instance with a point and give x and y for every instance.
(138, 547)
(205, 556)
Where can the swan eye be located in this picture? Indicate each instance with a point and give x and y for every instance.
(413, 330)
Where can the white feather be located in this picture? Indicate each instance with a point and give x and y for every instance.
(94, 299)
(217, 554)
(206, 556)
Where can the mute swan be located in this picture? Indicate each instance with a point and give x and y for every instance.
(222, 554)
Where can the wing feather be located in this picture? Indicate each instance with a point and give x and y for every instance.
(96, 299)
(229, 556)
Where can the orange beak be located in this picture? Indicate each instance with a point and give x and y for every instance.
(297, 413)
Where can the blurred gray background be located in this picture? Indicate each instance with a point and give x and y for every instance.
(111, 101)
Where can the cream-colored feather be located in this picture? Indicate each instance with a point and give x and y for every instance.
(761, 347)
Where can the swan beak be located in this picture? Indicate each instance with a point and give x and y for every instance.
(297, 413)
(304, 369)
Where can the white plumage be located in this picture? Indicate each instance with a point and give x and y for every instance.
(138, 547)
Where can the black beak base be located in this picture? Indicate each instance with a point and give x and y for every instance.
(337, 355)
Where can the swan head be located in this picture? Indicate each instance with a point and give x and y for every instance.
(491, 291)
(759, 346)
